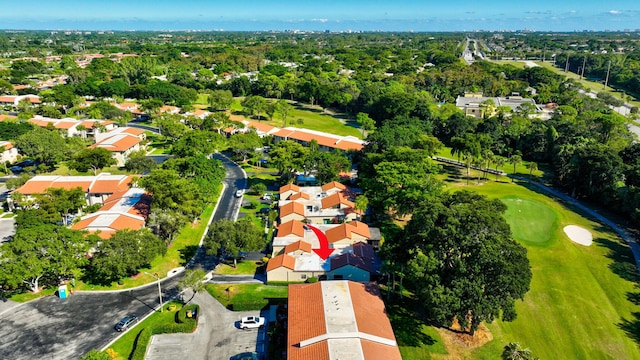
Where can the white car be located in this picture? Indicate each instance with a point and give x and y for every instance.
(251, 322)
(239, 193)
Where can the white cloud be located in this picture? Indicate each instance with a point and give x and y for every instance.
(615, 12)
(320, 20)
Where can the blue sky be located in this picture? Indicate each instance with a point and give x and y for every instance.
(367, 15)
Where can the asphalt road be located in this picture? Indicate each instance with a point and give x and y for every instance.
(53, 328)
(235, 179)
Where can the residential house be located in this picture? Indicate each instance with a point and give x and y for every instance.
(293, 258)
(339, 320)
(121, 142)
(8, 152)
(123, 210)
(72, 127)
(477, 105)
(14, 100)
(97, 188)
(326, 204)
(326, 141)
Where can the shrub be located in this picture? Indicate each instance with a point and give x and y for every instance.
(312, 280)
(181, 316)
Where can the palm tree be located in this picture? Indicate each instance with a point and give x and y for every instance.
(532, 166)
(488, 156)
(499, 161)
(514, 159)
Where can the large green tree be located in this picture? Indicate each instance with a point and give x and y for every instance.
(463, 263)
(43, 145)
(43, 254)
(233, 237)
(124, 254)
(171, 191)
(94, 159)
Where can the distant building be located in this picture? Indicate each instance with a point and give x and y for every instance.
(339, 320)
(477, 105)
(121, 142)
(8, 152)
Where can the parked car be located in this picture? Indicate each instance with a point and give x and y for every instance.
(239, 193)
(251, 322)
(267, 196)
(126, 322)
(246, 356)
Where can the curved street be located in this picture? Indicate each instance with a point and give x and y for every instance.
(53, 328)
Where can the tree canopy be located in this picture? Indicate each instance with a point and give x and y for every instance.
(462, 261)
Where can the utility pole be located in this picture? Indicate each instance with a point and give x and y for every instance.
(606, 80)
(157, 277)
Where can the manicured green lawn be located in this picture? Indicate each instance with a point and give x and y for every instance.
(247, 296)
(530, 220)
(579, 304)
(244, 267)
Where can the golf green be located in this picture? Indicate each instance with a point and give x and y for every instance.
(530, 220)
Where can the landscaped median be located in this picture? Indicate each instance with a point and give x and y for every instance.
(176, 318)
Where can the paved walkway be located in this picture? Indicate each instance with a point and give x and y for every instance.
(238, 279)
(217, 335)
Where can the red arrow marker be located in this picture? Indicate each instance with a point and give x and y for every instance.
(324, 250)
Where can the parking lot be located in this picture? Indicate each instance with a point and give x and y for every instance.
(217, 335)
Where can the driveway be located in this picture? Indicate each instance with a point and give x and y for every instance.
(217, 335)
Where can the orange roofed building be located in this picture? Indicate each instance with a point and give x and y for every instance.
(121, 142)
(97, 188)
(329, 320)
(125, 210)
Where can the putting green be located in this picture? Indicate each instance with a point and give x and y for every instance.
(530, 220)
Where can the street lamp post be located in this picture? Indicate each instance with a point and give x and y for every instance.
(157, 277)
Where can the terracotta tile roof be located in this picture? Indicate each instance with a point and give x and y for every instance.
(306, 320)
(261, 127)
(292, 207)
(293, 227)
(336, 199)
(323, 139)
(298, 245)
(345, 259)
(333, 185)
(281, 260)
(6, 145)
(370, 310)
(39, 184)
(7, 99)
(7, 117)
(300, 195)
(288, 187)
(361, 228)
(108, 186)
(100, 184)
(117, 143)
(361, 314)
(345, 230)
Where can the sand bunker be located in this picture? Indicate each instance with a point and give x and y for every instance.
(578, 234)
